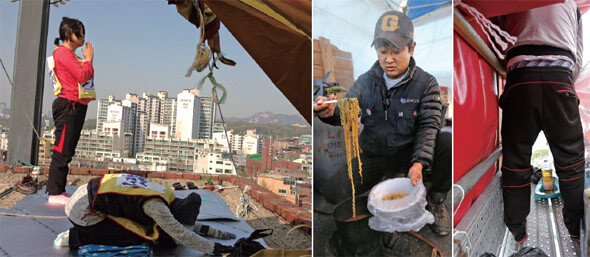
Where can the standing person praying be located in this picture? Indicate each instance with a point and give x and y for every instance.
(73, 84)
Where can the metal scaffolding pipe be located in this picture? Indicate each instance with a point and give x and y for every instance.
(477, 42)
(468, 181)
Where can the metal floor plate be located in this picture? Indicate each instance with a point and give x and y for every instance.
(482, 229)
(34, 236)
(546, 230)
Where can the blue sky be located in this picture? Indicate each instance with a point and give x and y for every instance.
(146, 46)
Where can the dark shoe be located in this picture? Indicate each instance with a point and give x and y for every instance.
(575, 238)
(442, 219)
(191, 185)
(521, 239)
(178, 186)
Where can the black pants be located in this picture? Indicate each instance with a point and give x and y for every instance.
(108, 232)
(337, 188)
(68, 117)
(377, 169)
(536, 99)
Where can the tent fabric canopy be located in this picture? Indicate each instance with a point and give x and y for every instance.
(503, 7)
(281, 50)
(418, 8)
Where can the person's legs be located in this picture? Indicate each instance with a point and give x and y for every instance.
(521, 124)
(58, 169)
(105, 232)
(442, 164)
(440, 176)
(69, 120)
(563, 129)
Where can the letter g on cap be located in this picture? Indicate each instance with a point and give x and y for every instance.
(389, 23)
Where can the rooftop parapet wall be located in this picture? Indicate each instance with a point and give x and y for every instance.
(282, 207)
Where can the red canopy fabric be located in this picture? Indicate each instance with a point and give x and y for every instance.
(476, 117)
(582, 86)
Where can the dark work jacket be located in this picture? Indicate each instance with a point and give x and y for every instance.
(413, 116)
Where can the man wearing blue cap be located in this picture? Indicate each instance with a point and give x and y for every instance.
(401, 113)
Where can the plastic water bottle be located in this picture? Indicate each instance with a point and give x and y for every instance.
(547, 178)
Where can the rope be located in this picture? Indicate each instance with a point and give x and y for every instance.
(18, 102)
(435, 249)
(203, 53)
(461, 252)
(467, 247)
(31, 216)
(214, 95)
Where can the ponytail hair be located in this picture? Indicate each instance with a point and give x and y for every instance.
(69, 27)
(56, 41)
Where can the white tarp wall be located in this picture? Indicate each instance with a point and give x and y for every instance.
(350, 24)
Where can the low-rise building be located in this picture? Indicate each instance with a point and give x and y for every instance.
(286, 186)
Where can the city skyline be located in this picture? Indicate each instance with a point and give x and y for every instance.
(136, 53)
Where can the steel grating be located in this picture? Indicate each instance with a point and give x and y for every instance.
(546, 230)
(483, 223)
(34, 236)
(487, 233)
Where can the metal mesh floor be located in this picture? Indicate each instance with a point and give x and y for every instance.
(482, 229)
(546, 230)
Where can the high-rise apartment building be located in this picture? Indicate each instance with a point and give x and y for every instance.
(168, 111)
(138, 112)
(188, 112)
(102, 111)
(207, 118)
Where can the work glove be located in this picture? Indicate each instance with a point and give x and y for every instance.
(220, 249)
(205, 230)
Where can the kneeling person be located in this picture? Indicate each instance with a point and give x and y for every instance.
(124, 210)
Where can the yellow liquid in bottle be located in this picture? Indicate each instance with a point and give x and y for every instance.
(547, 180)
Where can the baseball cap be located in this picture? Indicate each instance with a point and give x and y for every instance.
(396, 27)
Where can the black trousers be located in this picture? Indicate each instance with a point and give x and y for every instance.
(337, 188)
(68, 117)
(377, 169)
(534, 100)
(108, 232)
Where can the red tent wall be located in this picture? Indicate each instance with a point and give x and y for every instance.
(475, 116)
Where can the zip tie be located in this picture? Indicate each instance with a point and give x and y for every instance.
(462, 197)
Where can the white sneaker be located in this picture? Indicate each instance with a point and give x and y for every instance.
(59, 199)
(63, 239)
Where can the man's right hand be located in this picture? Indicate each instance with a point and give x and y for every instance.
(324, 110)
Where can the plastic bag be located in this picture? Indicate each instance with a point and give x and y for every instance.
(247, 246)
(402, 215)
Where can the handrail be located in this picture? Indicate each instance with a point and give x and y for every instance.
(468, 181)
(475, 41)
